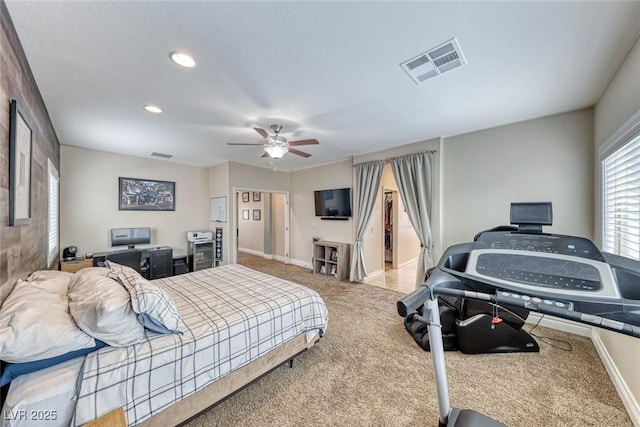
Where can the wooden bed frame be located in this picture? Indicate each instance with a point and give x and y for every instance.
(216, 392)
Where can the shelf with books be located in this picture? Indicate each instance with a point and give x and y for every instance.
(331, 259)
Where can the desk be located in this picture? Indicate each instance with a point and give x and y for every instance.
(76, 264)
(155, 262)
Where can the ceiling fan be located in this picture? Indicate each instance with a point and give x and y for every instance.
(276, 146)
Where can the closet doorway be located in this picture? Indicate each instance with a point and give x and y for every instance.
(261, 224)
(400, 243)
(390, 227)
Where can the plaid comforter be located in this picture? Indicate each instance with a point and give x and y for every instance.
(233, 316)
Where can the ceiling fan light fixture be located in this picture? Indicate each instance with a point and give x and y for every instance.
(275, 151)
(183, 59)
(276, 140)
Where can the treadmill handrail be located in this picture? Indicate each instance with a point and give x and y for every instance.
(441, 283)
(415, 299)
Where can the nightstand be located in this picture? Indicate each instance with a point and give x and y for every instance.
(76, 264)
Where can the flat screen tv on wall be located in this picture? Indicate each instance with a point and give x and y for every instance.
(333, 204)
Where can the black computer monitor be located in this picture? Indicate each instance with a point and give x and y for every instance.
(130, 236)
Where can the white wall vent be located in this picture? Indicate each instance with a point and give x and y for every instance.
(164, 156)
(434, 62)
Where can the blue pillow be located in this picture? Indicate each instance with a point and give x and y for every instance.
(12, 371)
(153, 324)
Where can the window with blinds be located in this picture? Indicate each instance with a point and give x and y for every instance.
(54, 182)
(621, 201)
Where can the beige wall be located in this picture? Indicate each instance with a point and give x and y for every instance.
(278, 206)
(621, 99)
(251, 232)
(219, 187)
(254, 178)
(304, 224)
(618, 104)
(89, 199)
(547, 159)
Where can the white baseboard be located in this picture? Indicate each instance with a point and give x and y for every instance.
(629, 401)
(559, 324)
(300, 263)
(251, 251)
(406, 263)
(263, 255)
(373, 275)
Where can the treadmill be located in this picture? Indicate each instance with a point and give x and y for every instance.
(563, 276)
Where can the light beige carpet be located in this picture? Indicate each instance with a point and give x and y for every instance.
(367, 371)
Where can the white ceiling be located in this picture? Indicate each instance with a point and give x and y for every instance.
(324, 70)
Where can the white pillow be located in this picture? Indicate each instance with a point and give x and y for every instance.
(93, 271)
(59, 277)
(102, 308)
(35, 323)
(156, 309)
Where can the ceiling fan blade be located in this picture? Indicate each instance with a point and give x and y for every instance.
(243, 143)
(263, 133)
(303, 142)
(265, 154)
(298, 152)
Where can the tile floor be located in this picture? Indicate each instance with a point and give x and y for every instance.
(402, 279)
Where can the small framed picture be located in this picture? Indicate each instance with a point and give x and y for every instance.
(245, 196)
(245, 214)
(256, 196)
(256, 214)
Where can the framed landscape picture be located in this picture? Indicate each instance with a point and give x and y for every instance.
(146, 195)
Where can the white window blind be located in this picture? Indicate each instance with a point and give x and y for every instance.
(621, 201)
(53, 212)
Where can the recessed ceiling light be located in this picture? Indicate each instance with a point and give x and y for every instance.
(153, 109)
(182, 59)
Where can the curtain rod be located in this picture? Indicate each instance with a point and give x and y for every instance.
(388, 159)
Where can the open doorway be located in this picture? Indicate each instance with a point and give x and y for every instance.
(261, 225)
(390, 227)
(400, 244)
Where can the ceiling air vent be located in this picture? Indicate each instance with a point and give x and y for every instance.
(164, 156)
(436, 61)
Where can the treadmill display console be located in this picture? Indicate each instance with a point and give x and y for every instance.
(548, 243)
(545, 264)
(539, 271)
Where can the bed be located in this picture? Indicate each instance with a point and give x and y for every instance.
(239, 325)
